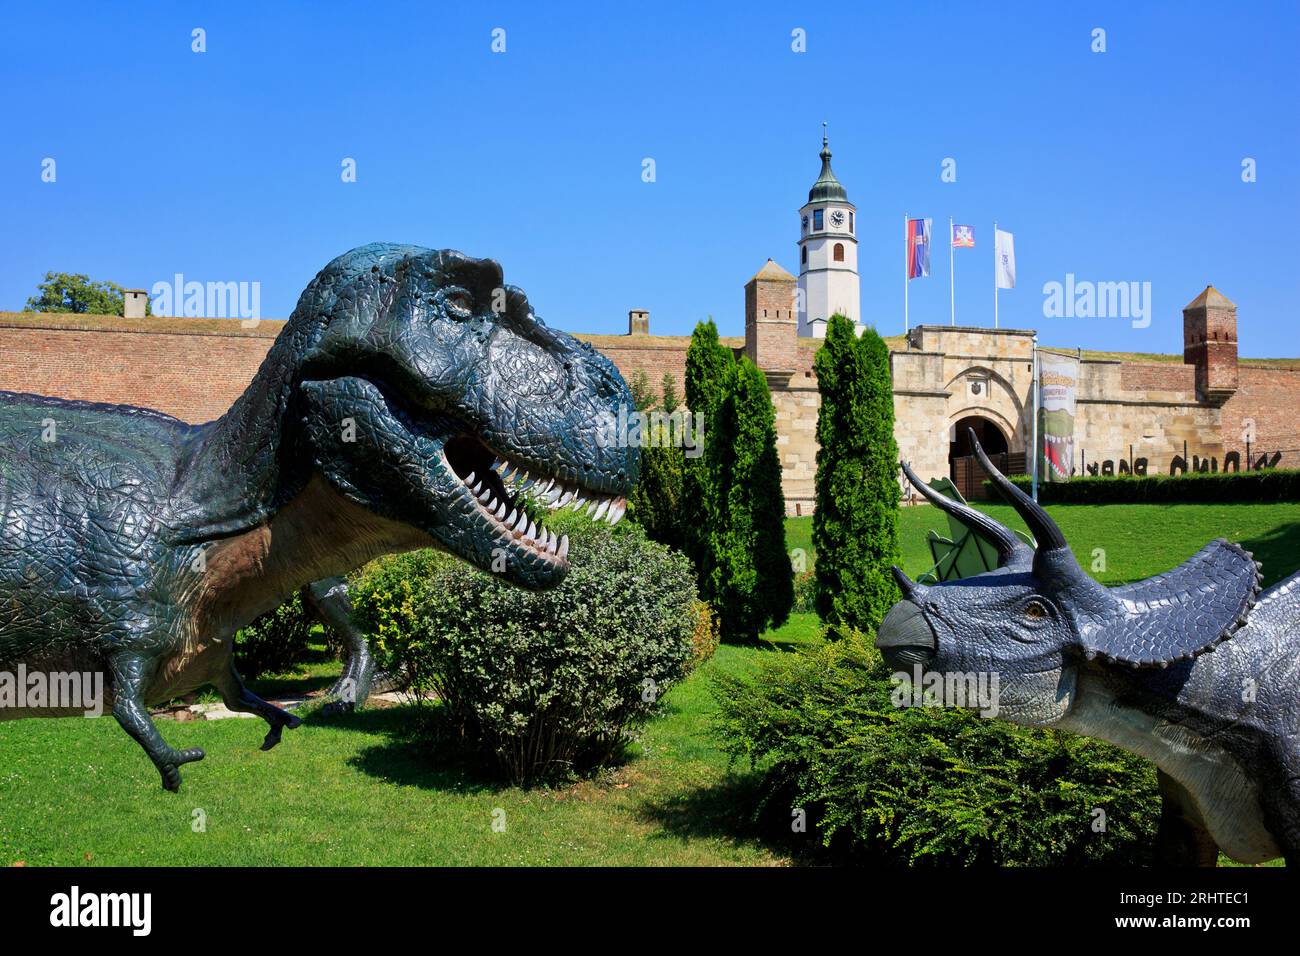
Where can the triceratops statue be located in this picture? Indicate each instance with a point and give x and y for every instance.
(1194, 669)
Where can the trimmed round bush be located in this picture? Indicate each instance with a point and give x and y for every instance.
(549, 683)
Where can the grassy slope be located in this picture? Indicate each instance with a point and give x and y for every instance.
(348, 792)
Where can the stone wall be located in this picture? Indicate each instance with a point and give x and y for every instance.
(1151, 407)
(195, 368)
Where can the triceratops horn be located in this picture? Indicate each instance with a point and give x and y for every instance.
(998, 534)
(905, 584)
(1041, 525)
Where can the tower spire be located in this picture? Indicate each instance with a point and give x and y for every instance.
(827, 187)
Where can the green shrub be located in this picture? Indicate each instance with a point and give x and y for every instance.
(708, 362)
(274, 643)
(386, 593)
(855, 526)
(926, 786)
(805, 592)
(705, 635)
(548, 683)
(749, 580)
(1255, 487)
(656, 501)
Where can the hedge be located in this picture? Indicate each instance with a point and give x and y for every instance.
(1255, 487)
(881, 785)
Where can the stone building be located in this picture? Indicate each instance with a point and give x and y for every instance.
(1206, 406)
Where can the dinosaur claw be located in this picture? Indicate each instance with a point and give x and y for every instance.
(171, 770)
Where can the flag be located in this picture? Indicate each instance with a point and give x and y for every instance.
(1006, 259)
(918, 248)
(963, 237)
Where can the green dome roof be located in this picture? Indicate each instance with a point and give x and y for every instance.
(827, 187)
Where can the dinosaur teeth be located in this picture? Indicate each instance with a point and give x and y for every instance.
(600, 511)
(564, 547)
(470, 480)
(551, 542)
(532, 530)
(616, 511)
(485, 495)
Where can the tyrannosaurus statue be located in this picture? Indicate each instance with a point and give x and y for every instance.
(1193, 669)
(406, 403)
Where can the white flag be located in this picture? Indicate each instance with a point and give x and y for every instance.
(1005, 244)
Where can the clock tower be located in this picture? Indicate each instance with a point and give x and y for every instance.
(828, 253)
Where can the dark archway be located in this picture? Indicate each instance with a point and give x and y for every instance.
(961, 463)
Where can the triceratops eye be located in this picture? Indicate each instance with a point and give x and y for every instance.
(1036, 610)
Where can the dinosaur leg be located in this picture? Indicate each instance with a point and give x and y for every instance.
(130, 674)
(328, 600)
(239, 698)
(1182, 839)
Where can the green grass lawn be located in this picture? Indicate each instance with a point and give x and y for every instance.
(350, 792)
(1138, 540)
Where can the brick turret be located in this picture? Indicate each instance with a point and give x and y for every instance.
(1210, 343)
(771, 320)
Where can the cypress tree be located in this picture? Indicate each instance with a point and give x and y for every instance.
(750, 584)
(656, 501)
(672, 401)
(707, 365)
(855, 526)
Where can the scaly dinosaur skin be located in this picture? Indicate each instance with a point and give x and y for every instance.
(1193, 669)
(135, 545)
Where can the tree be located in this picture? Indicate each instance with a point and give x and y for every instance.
(750, 582)
(707, 364)
(855, 526)
(656, 501)
(642, 394)
(672, 401)
(74, 292)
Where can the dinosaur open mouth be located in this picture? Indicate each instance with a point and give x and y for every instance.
(498, 484)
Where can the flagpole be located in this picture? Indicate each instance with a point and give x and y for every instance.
(952, 282)
(995, 273)
(906, 268)
(1033, 429)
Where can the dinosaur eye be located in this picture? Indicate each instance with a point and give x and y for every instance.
(1035, 610)
(459, 303)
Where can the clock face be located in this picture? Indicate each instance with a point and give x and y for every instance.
(837, 218)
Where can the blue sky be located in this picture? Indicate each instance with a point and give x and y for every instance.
(225, 165)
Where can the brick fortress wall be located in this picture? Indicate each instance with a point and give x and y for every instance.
(194, 369)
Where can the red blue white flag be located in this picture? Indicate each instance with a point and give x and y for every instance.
(918, 248)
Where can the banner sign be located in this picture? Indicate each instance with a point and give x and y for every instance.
(1058, 379)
